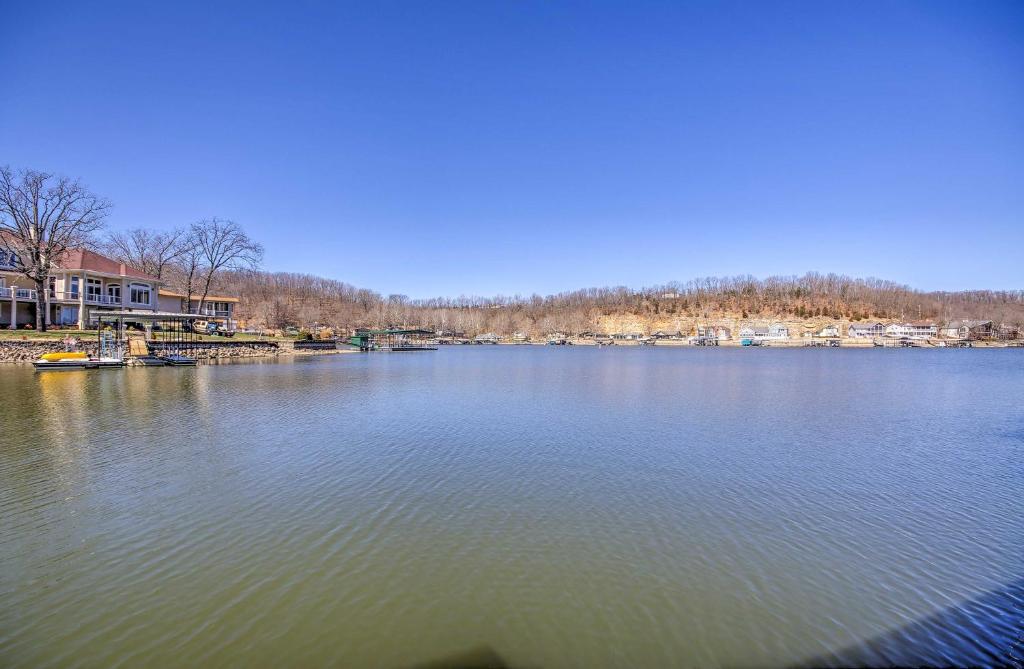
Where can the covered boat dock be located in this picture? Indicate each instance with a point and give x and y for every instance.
(394, 340)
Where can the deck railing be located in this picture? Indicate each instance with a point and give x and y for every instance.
(102, 299)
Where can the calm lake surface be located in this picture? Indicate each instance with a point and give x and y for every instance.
(557, 507)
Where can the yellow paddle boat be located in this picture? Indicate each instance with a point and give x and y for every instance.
(76, 355)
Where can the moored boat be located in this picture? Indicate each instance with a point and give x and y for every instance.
(64, 364)
(64, 355)
(179, 360)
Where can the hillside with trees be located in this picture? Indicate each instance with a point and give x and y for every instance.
(276, 300)
(217, 257)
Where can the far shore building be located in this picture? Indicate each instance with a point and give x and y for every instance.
(1007, 332)
(865, 330)
(776, 332)
(974, 330)
(914, 330)
(828, 331)
(81, 284)
(220, 307)
(665, 334)
(723, 333)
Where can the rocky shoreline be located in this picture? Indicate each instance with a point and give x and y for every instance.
(15, 351)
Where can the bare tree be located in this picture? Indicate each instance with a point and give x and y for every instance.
(42, 217)
(222, 245)
(189, 267)
(151, 251)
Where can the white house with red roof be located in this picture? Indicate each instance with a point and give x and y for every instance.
(81, 283)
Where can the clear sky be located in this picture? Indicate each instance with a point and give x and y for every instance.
(437, 148)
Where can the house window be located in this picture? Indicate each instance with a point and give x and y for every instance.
(139, 293)
(93, 289)
(74, 286)
(67, 315)
(114, 292)
(8, 259)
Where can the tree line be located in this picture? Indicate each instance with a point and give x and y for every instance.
(280, 299)
(43, 216)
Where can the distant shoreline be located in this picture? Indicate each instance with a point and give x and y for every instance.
(27, 350)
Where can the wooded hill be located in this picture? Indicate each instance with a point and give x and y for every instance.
(280, 299)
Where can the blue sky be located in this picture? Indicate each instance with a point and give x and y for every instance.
(517, 147)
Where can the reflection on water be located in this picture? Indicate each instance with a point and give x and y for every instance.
(545, 506)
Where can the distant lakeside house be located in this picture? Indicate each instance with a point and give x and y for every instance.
(865, 330)
(776, 331)
(487, 338)
(829, 330)
(968, 329)
(914, 330)
(665, 334)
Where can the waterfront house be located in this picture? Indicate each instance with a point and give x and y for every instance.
(81, 284)
(828, 331)
(968, 329)
(486, 338)
(628, 336)
(865, 330)
(215, 306)
(776, 332)
(1008, 332)
(914, 330)
(663, 334)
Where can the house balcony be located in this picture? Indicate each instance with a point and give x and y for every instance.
(63, 296)
(18, 294)
(216, 313)
(103, 300)
(95, 299)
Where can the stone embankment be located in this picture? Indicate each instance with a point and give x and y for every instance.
(222, 350)
(29, 350)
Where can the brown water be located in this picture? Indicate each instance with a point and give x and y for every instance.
(558, 507)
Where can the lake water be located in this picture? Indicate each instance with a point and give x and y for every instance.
(551, 507)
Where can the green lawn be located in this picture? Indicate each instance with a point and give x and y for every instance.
(50, 334)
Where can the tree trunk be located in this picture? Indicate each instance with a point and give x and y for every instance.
(206, 291)
(40, 305)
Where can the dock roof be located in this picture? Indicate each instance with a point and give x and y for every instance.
(394, 332)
